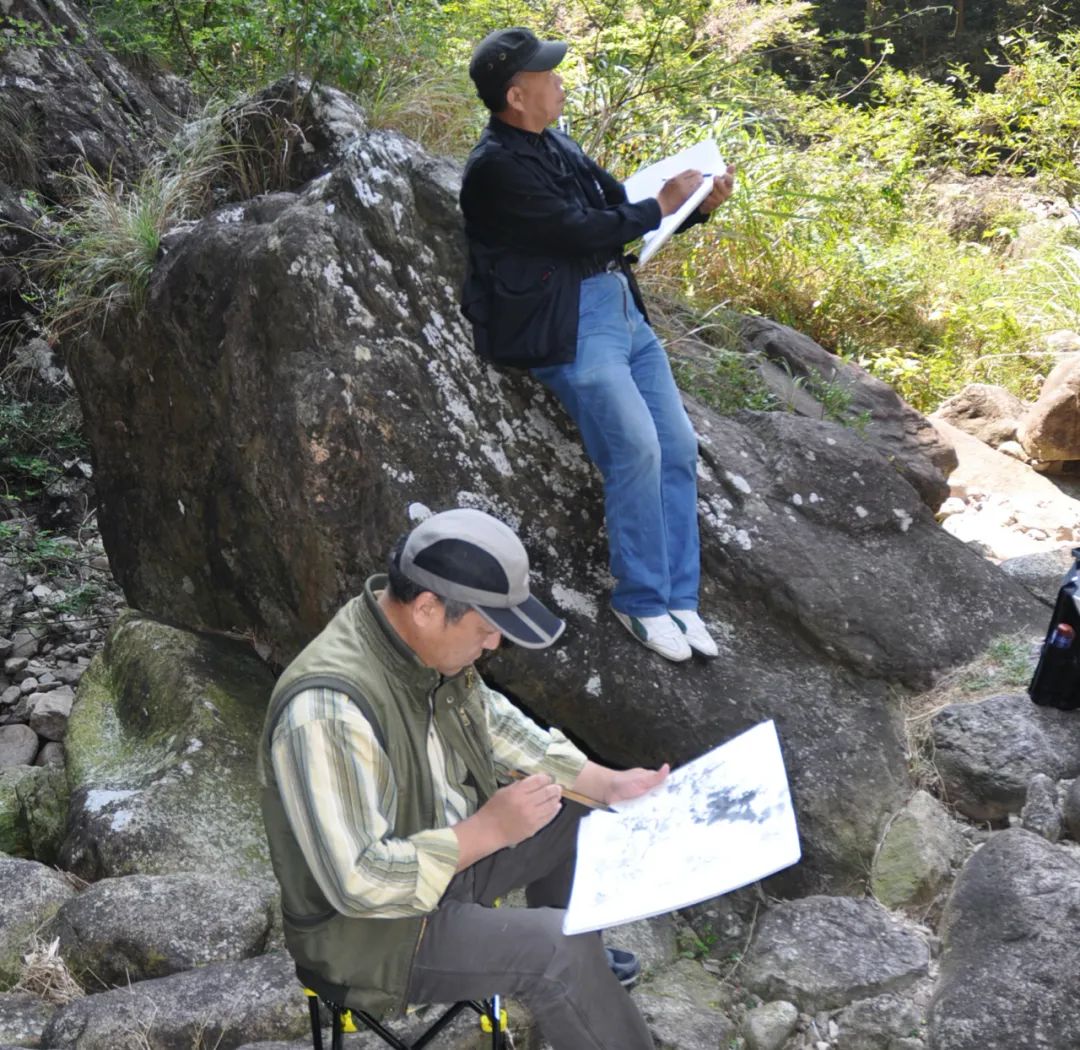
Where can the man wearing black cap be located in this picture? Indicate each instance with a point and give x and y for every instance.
(381, 764)
(549, 289)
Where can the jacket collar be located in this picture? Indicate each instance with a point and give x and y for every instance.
(398, 656)
(528, 142)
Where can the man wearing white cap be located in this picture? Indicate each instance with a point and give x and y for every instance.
(386, 765)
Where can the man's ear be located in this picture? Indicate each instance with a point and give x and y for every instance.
(426, 610)
(514, 99)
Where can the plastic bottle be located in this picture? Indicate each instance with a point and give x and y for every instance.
(1062, 636)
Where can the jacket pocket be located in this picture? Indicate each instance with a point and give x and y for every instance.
(306, 922)
(523, 307)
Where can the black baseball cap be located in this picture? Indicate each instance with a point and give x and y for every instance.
(471, 557)
(508, 51)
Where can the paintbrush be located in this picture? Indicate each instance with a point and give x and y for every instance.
(574, 796)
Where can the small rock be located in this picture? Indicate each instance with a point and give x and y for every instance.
(915, 858)
(1041, 813)
(768, 1026)
(27, 642)
(10, 695)
(46, 679)
(70, 674)
(51, 754)
(49, 717)
(18, 746)
(5, 647)
(953, 505)
(14, 664)
(1013, 449)
(1072, 810)
(27, 686)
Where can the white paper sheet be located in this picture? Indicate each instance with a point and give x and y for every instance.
(718, 823)
(704, 157)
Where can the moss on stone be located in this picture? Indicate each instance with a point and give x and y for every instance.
(45, 797)
(14, 830)
(162, 749)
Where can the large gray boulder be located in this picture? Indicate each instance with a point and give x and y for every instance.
(987, 753)
(816, 383)
(140, 927)
(23, 1018)
(1011, 961)
(821, 953)
(161, 756)
(987, 412)
(30, 895)
(221, 1005)
(324, 394)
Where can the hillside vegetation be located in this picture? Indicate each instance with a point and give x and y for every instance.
(847, 153)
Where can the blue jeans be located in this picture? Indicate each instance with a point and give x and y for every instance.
(620, 392)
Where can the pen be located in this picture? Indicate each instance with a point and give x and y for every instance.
(574, 796)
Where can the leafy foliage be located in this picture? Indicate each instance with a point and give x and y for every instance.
(835, 226)
(35, 436)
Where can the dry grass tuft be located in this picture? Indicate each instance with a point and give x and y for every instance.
(1005, 666)
(45, 974)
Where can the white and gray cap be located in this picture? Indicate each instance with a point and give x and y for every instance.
(469, 556)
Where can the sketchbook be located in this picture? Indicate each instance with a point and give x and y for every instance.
(718, 823)
(704, 157)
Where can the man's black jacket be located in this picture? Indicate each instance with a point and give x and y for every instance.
(535, 227)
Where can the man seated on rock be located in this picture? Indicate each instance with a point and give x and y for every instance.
(381, 762)
(549, 289)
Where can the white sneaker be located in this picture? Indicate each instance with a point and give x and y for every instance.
(697, 634)
(659, 633)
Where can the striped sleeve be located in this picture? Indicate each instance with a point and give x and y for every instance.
(518, 743)
(337, 788)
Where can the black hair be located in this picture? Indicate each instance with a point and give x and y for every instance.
(495, 100)
(405, 591)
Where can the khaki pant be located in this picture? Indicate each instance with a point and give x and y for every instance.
(471, 950)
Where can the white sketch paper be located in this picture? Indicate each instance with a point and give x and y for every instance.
(704, 157)
(717, 823)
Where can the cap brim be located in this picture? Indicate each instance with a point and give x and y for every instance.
(530, 624)
(548, 56)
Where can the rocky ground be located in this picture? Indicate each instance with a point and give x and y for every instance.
(57, 601)
(189, 961)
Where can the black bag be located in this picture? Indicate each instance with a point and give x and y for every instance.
(1056, 682)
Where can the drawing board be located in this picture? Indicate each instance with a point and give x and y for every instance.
(704, 157)
(718, 823)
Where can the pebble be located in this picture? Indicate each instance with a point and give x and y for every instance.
(28, 685)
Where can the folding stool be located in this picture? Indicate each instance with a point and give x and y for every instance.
(492, 1017)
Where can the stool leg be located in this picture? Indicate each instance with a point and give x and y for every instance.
(337, 1038)
(496, 1023)
(316, 1027)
